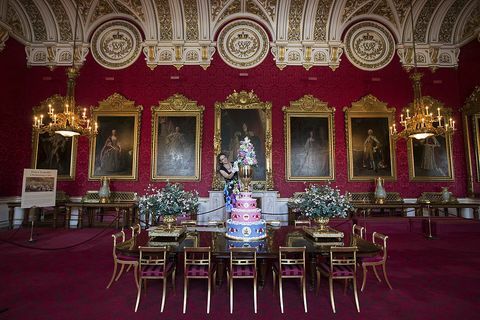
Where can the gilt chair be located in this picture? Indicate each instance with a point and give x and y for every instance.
(198, 265)
(379, 260)
(342, 265)
(121, 259)
(136, 229)
(243, 265)
(290, 264)
(154, 264)
(358, 231)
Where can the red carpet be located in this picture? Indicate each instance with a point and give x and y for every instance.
(432, 279)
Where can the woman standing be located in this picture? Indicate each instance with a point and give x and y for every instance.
(229, 173)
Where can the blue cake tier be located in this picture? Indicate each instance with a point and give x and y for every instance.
(258, 244)
(246, 230)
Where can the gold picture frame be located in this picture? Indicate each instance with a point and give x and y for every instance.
(114, 150)
(177, 126)
(243, 113)
(371, 149)
(470, 109)
(309, 140)
(54, 151)
(431, 159)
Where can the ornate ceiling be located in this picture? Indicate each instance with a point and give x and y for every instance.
(184, 32)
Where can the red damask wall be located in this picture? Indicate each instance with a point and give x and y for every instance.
(22, 88)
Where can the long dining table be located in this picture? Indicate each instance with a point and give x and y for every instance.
(267, 249)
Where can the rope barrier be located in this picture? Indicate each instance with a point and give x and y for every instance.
(8, 241)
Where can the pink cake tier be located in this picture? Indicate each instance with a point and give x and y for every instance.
(246, 221)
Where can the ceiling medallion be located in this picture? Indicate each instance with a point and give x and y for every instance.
(243, 44)
(116, 44)
(369, 45)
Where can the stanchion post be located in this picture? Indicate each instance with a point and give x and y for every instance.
(31, 216)
(429, 236)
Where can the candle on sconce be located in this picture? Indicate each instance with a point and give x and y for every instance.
(438, 111)
(401, 118)
(408, 114)
(453, 125)
(426, 109)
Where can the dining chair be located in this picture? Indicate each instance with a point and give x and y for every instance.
(359, 231)
(154, 264)
(197, 264)
(136, 229)
(122, 259)
(379, 240)
(243, 265)
(290, 264)
(342, 265)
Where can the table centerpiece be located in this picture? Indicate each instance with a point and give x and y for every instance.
(168, 203)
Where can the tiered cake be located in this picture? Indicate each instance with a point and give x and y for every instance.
(246, 221)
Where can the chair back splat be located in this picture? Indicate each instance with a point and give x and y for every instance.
(243, 265)
(197, 264)
(291, 264)
(154, 264)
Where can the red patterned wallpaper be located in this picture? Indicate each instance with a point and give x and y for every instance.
(23, 88)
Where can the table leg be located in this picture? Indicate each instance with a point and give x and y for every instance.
(263, 273)
(220, 271)
(117, 218)
(68, 216)
(313, 268)
(11, 211)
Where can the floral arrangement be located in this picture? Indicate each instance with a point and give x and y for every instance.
(170, 200)
(246, 153)
(321, 201)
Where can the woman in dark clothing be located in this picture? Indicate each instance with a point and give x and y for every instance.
(229, 173)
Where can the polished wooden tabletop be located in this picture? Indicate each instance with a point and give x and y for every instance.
(215, 238)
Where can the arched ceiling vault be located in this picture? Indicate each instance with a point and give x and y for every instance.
(298, 29)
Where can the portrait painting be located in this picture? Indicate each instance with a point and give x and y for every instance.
(309, 140)
(430, 159)
(55, 152)
(242, 116)
(370, 146)
(176, 139)
(114, 150)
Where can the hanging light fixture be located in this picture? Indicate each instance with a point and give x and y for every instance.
(422, 122)
(73, 121)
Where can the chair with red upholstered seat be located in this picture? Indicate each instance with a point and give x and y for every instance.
(378, 260)
(359, 231)
(342, 265)
(198, 265)
(121, 259)
(154, 264)
(291, 264)
(243, 265)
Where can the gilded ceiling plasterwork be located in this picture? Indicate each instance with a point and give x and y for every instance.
(165, 17)
(191, 19)
(269, 6)
(39, 30)
(103, 8)
(473, 22)
(421, 25)
(301, 32)
(402, 7)
(321, 19)
(351, 6)
(446, 30)
(253, 8)
(216, 7)
(62, 20)
(84, 7)
(383, 9)
(14, 21)
(295, 20)
(234, 7)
